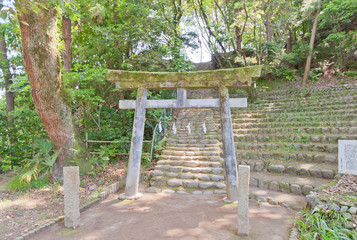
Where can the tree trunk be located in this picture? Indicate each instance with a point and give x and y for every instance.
(267, 21)
(67, 51)
(289, 44)
(10, 99)
(312, 39)
(42, 63)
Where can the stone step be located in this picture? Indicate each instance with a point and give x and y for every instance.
(302, 103)
(333, 123)
(183, 169)
(286, 183)
(194, 136)
(294, 138)
(195, 149)
(292, 109)
(162, 181)
(291, 147)
(192, 145)
(299, 130)
(301, 156)
(319, 170)
(190, 163)
(284, 119)
(189, 176)
(191, 158)
(192, 141)
(191, 153)
(293, 201)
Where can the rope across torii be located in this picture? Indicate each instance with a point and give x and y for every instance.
(216, 79)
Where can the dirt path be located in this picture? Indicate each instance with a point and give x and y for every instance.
(159, 216)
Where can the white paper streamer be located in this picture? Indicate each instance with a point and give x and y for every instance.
(204, 127)
(174, 128)
(189, 128)
(160, 127)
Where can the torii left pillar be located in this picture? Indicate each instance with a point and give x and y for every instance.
(132, 180)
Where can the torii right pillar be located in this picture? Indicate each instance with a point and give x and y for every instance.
(229, 153)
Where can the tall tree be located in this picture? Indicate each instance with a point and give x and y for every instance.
(5, 67)
(67, 39)
(38, 25)
(312, 40)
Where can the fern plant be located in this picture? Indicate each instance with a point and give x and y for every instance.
(41, 165)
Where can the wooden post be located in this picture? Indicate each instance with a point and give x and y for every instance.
(228, 146)
(132, 180)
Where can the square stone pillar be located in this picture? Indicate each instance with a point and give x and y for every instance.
(71, 196)
(243, 200)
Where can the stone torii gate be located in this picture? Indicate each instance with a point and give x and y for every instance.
(216, 79)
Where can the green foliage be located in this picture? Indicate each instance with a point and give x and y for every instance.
(39, 166)
(326, 224)
(314, 75)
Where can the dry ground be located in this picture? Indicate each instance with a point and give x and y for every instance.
(21, 212)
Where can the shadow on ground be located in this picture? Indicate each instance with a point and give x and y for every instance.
(159, 216)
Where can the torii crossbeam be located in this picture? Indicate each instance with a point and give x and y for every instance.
(216, 79)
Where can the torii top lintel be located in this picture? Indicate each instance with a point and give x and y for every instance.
(231, 78)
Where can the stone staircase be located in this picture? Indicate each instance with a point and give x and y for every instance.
(289, 139)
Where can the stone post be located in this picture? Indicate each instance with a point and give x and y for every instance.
(71, 196)
(181, 97)
(228, 146)
(132, 180)
(243, 200)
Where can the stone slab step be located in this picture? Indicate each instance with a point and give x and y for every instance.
(183, 169)
(327, 123)
(316, 147)
(186, 183)
(192, 141)
(294, 115)
(194, 149)
(191, 163)
(293, 201)
(301, 109)
(201, 146)
(294, 138)
(286, 118)
(302, 156)
(298, 130)
(319, 170)
(191, 153)
(189, 176)
(286, 183)
(191, 158)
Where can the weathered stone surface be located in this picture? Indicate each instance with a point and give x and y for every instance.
(352, 130)
(259, 167)
(263, 184)
(243, 200)
(344, 209)
(306, 189)
(157, 173)
(315, 173)
(204, 177)
(168, 191)
(253, 182)
(197, 192)
(181, 192)
(352, 210)
(153, 190)
(209, 192)
(71, 196)
(276, 168)
(331, 159)
(191, 183)
(217, 170)
(174, 183)
(192, 164)
(261, 199)
(291, 170)
(273, 202)
(319, 158)
(295, 189)
(217, 177)
(220, 185)
(274, 186)
(328, 174)
(171, 174)
(186, 176)
(284, 187)
(205, 185)
(302, 172)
